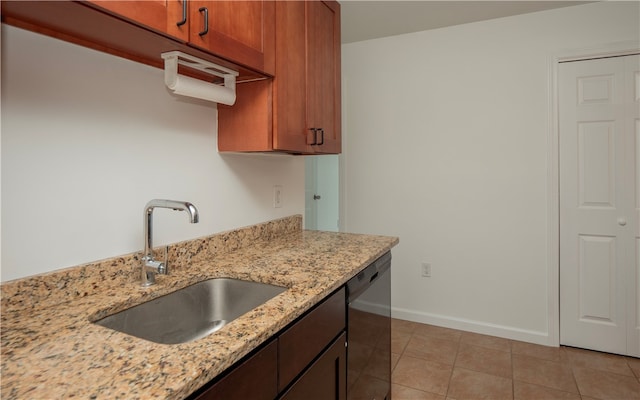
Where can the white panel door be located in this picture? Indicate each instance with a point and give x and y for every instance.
(632, 120)
(599, 116)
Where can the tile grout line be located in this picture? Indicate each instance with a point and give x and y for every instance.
(573, 373)
(453, 366)
(633, 371)
(513, 373)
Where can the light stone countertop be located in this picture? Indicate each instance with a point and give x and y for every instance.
(50, 349)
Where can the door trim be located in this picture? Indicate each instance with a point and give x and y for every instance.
(553, 171)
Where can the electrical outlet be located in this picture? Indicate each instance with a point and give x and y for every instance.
(277, 196)
(426, 270)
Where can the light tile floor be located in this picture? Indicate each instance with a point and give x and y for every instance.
(432, 363)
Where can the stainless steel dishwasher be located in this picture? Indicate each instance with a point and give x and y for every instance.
(369, 332)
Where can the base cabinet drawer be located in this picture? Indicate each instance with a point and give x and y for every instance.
(302, 342)
(326, 378)
(254, 379)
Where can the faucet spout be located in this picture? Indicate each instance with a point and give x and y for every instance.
(151, 267)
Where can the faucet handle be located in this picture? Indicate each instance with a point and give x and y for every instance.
(164, 266)
(150, 268)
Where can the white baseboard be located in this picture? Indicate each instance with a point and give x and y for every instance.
(484, 328)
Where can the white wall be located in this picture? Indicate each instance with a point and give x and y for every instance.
(446, 146)
(89, 138)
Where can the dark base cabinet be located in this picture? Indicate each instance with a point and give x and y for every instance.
(253, 379)
(326, 378)
(301, 343)
(306, 361)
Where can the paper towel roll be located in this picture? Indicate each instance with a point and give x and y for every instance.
(187, 86)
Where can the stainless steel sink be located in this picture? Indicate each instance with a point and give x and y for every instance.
(193, 312)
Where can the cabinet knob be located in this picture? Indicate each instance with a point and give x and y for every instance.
(317, 197)
(622, 221)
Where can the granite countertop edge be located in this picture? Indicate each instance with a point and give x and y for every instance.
(51, 348)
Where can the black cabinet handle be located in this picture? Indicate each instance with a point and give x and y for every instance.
(184, 14)
(206, 20)
(315, 136)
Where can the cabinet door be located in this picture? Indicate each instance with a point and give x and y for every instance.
(308, 77)
(272, 115)
(164, 16)
(242, 31)
(323, 74)
(290, 82)
(326, 378)
(254, 379)
(302, 342)
(302, 112)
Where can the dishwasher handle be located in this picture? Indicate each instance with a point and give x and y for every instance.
(366, 277)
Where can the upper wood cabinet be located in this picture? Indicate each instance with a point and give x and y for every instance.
(243, 30)
(299, 110)
(240, 31)
(295, 44)
(138, 30)
(323, 77)
(166, 16)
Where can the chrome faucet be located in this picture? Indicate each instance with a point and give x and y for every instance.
(151, 267)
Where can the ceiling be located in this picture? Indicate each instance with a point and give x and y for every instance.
(364, 19)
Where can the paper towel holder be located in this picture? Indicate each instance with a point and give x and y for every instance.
(183, 85)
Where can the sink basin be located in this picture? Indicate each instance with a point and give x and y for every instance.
(193, 312)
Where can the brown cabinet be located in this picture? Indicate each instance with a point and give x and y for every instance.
(323, 77)
(137, 30)
(240, 31)
(164, 16)
(299, 110)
